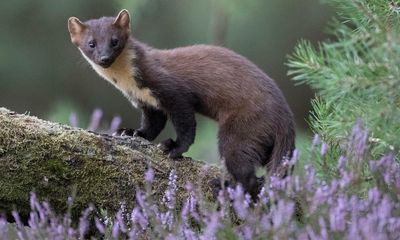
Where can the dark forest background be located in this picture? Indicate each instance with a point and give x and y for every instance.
(41, 72)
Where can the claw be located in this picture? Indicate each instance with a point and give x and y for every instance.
(124, 132)
(175, 153)
(166, 145)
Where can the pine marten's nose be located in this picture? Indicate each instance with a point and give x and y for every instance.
(105, 59)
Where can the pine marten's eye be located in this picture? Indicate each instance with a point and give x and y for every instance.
(92, 44)
(114, 42)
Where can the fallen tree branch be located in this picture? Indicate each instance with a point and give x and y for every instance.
(52, 160)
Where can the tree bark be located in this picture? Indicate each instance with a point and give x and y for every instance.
(55, 160)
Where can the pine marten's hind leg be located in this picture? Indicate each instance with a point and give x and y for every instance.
(243, 156)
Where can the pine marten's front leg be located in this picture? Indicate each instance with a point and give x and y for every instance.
(183, 118)
(153, 122)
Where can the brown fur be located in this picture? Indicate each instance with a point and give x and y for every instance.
(256, 124)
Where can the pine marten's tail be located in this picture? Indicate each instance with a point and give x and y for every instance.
(284, 145)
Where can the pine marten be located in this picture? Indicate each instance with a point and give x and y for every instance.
(255, 123)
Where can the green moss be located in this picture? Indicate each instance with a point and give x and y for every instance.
(53, 160)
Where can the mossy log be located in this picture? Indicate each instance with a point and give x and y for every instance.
(53, 160)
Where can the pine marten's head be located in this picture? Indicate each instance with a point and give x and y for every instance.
(101, 40)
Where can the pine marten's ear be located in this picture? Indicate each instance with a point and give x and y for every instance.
(123, 20)
(76, 29)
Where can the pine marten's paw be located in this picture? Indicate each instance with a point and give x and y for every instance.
(166, 145)
(171, 148)
(216, 185)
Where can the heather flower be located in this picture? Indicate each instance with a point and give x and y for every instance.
(83, 222)
(73, 119)
(266, 224)
(189, 187)
(282, 213)
(70, 201)
(185, 211)
(311, 177)
(247, 233)
(297, 184)
(169, 196)
(20, 235)
(212, 226)
(3, 225)
(341, 163)
(262, 196)
(149, 175)
(100, 227)
(19, 225)
(311, 234)
(171, 237)
(133, 234)
(322, 194)
(33, 201)
(303, 236)
(189, 234)
(316, 140)
(138, 218)
(193, 207)
(324, 149)
(323, 229)
(346, 179)
(95, 120)
(358, 140)
(115, 230)
(167, 219)
(33, 221)
(374, 196)
(71, 233)
(17, 218)
(189, 206)
(337, 215)
(279, 183)
(140, 199)
(240, 201)
(114, 125)
(121, 222)
(38, 209)
(388, 169)
(295, 157)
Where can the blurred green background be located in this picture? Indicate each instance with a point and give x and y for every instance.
(41, 72)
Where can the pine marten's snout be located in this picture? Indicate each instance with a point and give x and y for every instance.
(105, 61)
